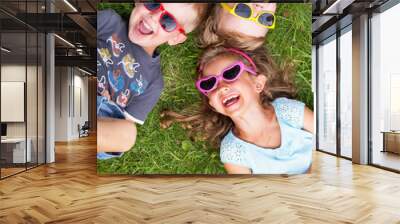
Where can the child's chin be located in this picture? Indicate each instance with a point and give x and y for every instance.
(136, 39)
(141, 40)
(234, 110)
(134, 35)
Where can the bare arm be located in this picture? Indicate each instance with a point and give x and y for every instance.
(235, 169)
(308, 120)
(115, 135)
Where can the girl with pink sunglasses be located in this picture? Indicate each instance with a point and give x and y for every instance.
(247, 112)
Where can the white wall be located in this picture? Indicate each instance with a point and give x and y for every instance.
(33, 127)
(16, 73)
(80, 84)
(50, 94)
(10, 73)
(70, 84)
(62, 81)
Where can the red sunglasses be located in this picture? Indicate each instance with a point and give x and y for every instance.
(167, 20)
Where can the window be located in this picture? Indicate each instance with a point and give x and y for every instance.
(327, 96)
(346, 95)
(385, 89)
(22, 76)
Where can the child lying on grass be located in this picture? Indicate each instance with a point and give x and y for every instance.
(246, 112)
(129, 73)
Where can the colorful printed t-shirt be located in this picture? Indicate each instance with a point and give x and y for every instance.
(294, 156)
(127, 77)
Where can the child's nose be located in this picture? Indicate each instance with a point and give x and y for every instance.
(257, 8)
(223, 86)
(153, 18)
(155, 15)
(260, 7)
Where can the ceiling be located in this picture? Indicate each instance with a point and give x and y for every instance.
(72, 20)
(331, 15)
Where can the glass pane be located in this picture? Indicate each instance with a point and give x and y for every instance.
(31, 97)
(327, 97)
(385, 86)
(346, 94)
(23, 82)
(41, 99)
(13, 90)
(32, 85)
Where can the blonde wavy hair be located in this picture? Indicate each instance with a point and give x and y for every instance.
(203, 121)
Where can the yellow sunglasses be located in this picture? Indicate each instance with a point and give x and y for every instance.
(245, 11)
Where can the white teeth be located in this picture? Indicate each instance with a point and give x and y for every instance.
(229, 98)
(147, 26)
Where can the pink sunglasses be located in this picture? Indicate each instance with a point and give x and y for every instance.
(229, 74)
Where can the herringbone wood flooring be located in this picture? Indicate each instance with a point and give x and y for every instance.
(70, 191)
(10, 171)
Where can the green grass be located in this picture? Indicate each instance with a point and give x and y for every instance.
(170, 151)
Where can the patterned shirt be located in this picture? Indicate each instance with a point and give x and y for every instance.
(126, 74)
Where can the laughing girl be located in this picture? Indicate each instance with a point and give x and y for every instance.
(247, 113)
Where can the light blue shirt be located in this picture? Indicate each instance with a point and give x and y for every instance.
(294, 156)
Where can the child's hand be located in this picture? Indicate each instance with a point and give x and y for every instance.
(107, 94)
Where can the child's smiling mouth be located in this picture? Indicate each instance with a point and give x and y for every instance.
(144, 28)
(230, 100)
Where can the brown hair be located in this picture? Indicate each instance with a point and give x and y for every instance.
(211, 35)
(212, 125)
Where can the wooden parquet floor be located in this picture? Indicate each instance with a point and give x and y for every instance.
(69, 191)
(10, 171)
